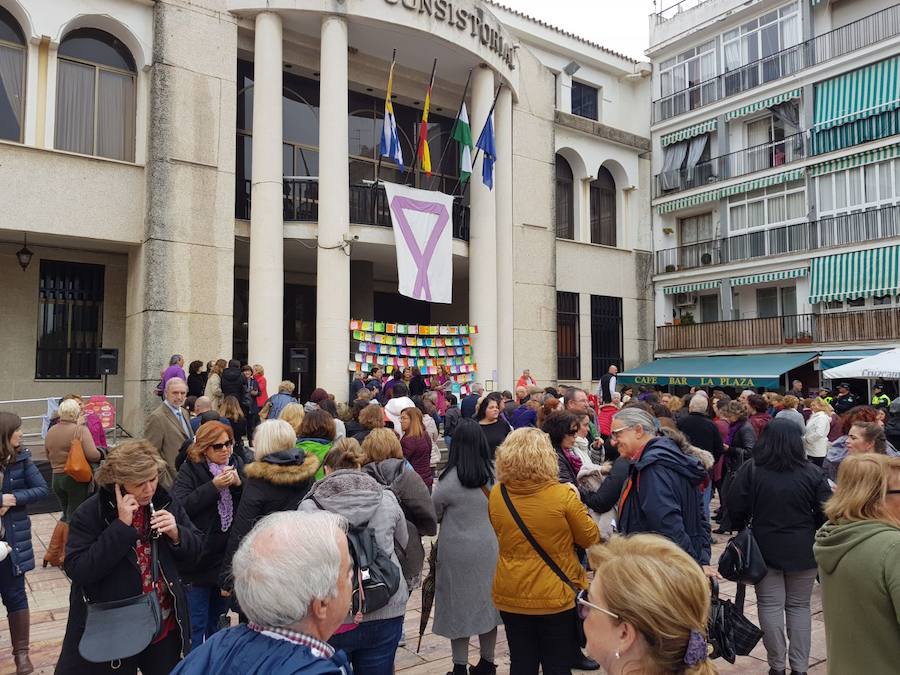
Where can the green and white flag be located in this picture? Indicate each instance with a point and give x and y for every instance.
(462, 134)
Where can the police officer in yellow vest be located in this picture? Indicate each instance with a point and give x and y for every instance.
(879, 398)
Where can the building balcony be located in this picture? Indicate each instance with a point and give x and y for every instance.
(851, 228)
(869, 30)
(734, 164)
(870, 325)
(368, 205)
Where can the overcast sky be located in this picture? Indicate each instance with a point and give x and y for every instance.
(621, 25)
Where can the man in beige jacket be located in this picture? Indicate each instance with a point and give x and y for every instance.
(169, 426)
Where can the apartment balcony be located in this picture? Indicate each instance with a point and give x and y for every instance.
(368, 205)
(738, 163)
(850, 228)
(869, 325)
(869, 30)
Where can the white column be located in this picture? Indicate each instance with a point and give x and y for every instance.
(332, 261)
(503, 178)
(483, 240)
(266, 311)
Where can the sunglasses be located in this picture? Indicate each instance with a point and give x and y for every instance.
(222, 446)
(893, 492)
(572, 432)
(585, 607)
(614, 433)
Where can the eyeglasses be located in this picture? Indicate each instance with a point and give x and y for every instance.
(222, 446)
(893, 492)
(614, 433)
(585, 607)
(572, 432)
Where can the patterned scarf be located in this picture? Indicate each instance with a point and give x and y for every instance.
(226, 505)
(141, 523)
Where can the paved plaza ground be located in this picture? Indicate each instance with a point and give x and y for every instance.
(48, 595)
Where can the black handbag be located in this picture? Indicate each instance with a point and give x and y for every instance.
(742, 561)
(579, 624)
(731, 634)
(119, 629)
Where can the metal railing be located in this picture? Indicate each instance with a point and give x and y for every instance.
(734, 164)
(850, 228)
(867, 325)
(856, 35)
(668, 10)
(368, 205)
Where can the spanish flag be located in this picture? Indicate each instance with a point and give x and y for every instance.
(424, 150)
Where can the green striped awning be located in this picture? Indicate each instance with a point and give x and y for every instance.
(857, 274)
(697, 286)
(855, 133)
(713, 195)
(689, 132)
(859, 159)
(767, 277)
(858, 94)
(765, 103)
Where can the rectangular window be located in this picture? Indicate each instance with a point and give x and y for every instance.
(584, 100)
(766, 302)
(776, 205)
(568, 353)
(606, 334)
(70, 320)
(696, 229)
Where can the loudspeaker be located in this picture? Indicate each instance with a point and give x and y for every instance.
(108, 361)
(299, 360)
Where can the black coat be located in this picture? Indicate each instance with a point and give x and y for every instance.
(22, 479)
(567, 472)
(742, 444)
(786, 507)
(277, 482)
(196, 493)
(417, 386)
(701, 432)
(196, 384)
(234, 384)
(102, 564)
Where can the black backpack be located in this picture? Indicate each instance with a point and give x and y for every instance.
(375, 577)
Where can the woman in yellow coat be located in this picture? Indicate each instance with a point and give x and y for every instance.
(537, 606)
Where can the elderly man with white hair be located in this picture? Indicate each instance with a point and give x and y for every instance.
(702, 433)
(168, 427)
(295, 597)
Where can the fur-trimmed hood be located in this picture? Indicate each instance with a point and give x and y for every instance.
(288, 467)
(706, 458)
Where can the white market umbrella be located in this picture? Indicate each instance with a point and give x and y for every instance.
(883, 366)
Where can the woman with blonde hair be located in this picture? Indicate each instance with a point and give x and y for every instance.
(293, 414)
(109, 557)
(232, 411)
(213, 390)
(647, 609)
(69, 491)
(416, 443)
(209, 486)
(858, 552)
(277, 480)
(259, 374)
(537, 606)
(371, 418)
(815, 435)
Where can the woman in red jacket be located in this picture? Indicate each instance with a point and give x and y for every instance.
(416, 443)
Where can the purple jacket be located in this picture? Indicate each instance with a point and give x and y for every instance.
(173, 371)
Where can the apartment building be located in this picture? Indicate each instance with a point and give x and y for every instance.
(776, 187)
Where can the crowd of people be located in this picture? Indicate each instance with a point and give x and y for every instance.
(581, 522)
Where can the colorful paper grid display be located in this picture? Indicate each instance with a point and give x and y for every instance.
(412, 345)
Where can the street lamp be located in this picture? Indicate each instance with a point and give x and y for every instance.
(24, 255)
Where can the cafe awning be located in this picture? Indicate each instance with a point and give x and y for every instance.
(739, 371)
(844, 356)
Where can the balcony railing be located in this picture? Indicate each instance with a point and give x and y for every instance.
(840, 230)
(867, 325)
(737, 163)
(861, 33)
(368, 205)
(668, 9)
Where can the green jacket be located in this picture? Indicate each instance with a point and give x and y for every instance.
(317, 447)
(859, 568)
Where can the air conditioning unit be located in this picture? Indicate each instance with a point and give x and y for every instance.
(685, 299)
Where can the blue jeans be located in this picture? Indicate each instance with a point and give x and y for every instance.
(707, 498)
(12, 587)
(207, 604)
(371, 646)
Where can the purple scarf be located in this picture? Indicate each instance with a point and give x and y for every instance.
(226, 505)
(732, 430)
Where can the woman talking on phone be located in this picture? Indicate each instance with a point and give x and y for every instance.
(109, 558)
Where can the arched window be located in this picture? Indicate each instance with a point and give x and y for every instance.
(565, 199)
(603, 209)
(95, 95)
(12, 77)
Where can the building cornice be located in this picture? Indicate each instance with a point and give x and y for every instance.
(604, 131)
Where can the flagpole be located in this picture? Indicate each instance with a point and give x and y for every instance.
(478, 149)
(462, 102)
(378, 164)
(415, 162)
